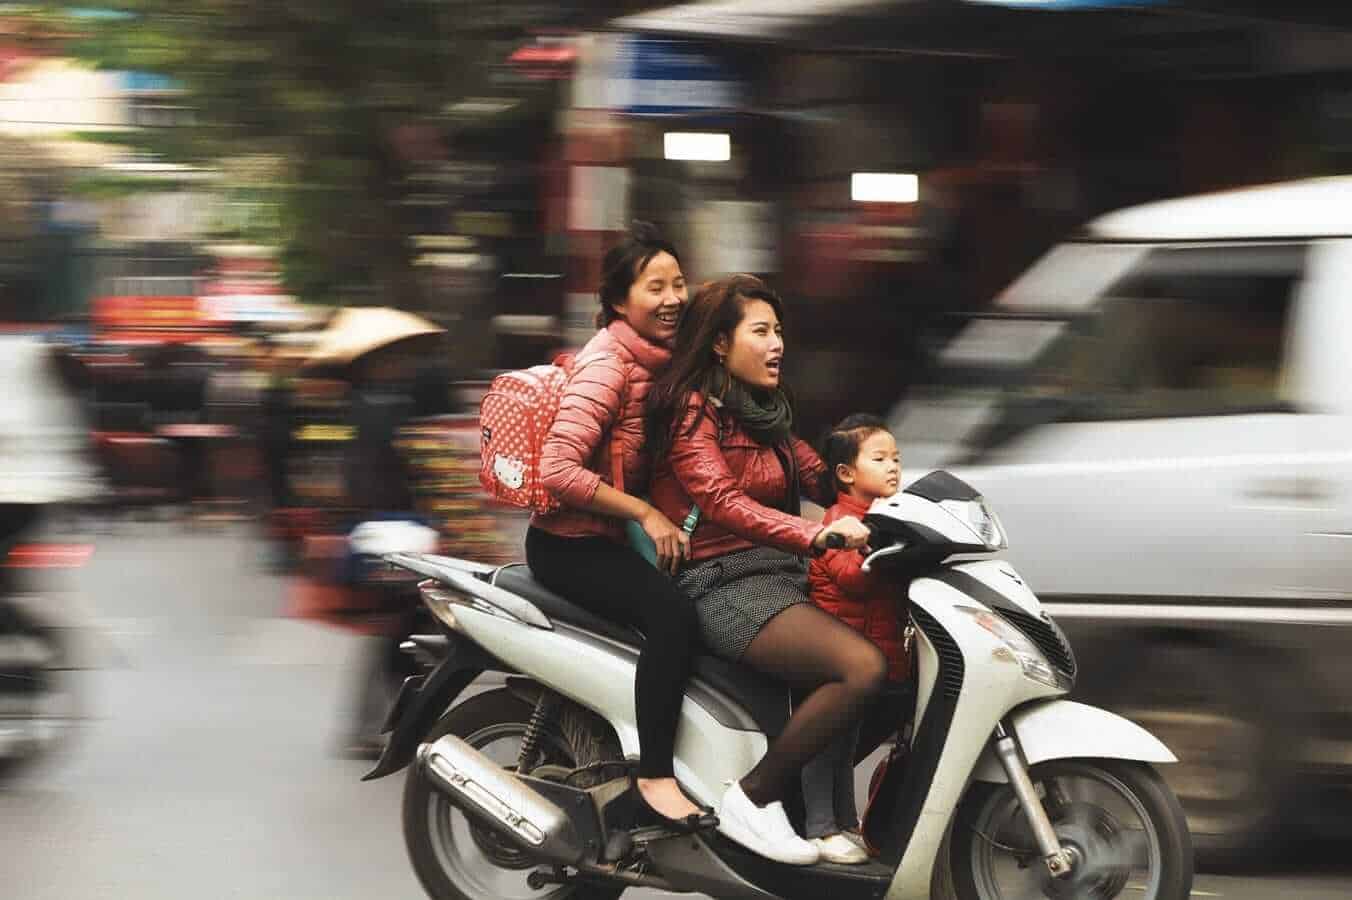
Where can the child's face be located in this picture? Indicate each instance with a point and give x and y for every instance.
(877, 470)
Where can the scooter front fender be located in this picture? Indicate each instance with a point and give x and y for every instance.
(1063, 729)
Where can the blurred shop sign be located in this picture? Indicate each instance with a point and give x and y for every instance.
(250, 307)
(150, 312)
(153, 319)
(653, 76)
(668, 76)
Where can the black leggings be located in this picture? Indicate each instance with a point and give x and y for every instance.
(618, 584)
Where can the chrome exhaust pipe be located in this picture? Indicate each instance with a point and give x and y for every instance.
(494, 795)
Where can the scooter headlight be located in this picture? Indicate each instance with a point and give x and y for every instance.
(1025, 652)
(977, 516)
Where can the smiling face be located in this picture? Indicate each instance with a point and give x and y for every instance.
(655, 300)
(876, 471)
(755, 350)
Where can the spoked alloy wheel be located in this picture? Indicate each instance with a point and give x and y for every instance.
(1123, 826)
(457, 858)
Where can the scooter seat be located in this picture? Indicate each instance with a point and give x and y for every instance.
(764, 698)
(518, 579)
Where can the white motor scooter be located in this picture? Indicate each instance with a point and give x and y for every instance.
(1008, 790)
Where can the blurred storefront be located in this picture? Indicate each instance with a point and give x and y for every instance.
(1017, 124)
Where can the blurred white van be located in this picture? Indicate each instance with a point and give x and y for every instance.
(1161, 412)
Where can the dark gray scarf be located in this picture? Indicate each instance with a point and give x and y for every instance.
(764, 414)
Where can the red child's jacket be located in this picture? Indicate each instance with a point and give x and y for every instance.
(868, 604)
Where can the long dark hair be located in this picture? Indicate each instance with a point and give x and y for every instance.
(840, 445)
(716, 309)
(624, 262)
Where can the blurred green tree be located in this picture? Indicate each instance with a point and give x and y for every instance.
(347, 95)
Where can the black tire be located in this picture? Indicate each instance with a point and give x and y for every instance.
(1160, 807)
(480, 720)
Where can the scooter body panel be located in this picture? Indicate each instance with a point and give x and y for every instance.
(599, 674)
(972, 683)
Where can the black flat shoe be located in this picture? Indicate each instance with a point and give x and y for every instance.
(703, 820)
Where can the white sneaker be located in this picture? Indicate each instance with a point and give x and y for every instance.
(857, 839)
(763, 829)
(839, 849)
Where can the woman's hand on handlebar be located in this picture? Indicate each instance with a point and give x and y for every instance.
(845, 533)
(673, 544)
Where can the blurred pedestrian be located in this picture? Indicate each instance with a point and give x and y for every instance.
(379, 488)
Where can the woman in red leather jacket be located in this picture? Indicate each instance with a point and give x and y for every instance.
(720, 426)
(580, 551)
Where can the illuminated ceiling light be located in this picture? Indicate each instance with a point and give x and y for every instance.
(884, 187)
(695, 145)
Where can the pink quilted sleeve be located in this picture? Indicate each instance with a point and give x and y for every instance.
(589, 405)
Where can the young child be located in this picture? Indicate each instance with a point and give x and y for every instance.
(862, 455)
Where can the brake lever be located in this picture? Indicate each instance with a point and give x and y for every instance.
(891, 550)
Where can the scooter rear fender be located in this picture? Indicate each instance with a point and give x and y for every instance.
(423, 699)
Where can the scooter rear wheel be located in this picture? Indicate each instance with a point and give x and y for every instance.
(456, 859)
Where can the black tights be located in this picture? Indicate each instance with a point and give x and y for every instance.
(837, 671)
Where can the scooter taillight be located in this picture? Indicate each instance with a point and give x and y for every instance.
(48, 556)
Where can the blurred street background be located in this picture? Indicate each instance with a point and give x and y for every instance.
(259, 261)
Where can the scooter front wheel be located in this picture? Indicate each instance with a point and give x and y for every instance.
(1125, 828)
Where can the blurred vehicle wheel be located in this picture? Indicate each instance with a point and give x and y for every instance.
(38, 706)
(1217, 710)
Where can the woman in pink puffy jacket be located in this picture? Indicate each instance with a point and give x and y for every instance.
(580, 551)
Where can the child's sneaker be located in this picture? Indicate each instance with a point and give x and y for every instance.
(856, 837)
(841, 850)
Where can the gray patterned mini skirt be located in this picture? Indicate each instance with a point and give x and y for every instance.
(736, 594)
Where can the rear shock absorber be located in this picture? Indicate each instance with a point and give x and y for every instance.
(530, 757)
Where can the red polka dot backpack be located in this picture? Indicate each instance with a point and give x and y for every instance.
(514, 417)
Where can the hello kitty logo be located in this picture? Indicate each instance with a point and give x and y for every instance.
(509, 472)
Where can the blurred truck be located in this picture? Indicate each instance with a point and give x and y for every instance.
(1161, 410)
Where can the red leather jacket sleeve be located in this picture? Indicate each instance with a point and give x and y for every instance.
(813, 479)
(589, 406)
(698, 463)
